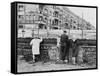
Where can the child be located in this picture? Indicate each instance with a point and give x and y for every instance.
(35, 43)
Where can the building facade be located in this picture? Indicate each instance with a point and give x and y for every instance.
(49, 17)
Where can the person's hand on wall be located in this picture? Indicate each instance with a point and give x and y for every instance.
(58, 44)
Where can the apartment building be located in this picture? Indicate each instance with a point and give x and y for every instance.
(49, 17)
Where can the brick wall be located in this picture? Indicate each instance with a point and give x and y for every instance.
(23, 48)
(49, 51)
(90, 55)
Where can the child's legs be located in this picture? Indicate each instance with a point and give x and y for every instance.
(33, 58)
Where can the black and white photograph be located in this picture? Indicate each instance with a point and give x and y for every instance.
(55, 37)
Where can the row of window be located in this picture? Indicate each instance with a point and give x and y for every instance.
(45, 20)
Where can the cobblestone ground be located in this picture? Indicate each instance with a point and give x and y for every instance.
(24, 66)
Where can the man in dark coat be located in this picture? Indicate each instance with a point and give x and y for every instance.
(64, 45)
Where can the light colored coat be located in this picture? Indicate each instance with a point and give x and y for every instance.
(80, 54)
(35, 43)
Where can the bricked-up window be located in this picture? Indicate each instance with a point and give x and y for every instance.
(60, 16)
(36, 18)
(66, 19)
(50, 12)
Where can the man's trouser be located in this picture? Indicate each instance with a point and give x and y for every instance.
(64, 52)
(70, 55)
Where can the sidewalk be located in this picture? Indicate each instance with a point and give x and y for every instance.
(24, 66)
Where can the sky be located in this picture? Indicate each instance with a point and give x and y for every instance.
(89, 14)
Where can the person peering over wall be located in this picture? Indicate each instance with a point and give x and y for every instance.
(35, 43)
(64, 46)
(77, 53)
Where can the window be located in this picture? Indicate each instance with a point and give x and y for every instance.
(40, 12)
(55, 22)
(45, 18)
(55, 14)
(74, 27)
(20, 26)
(71, 20)
(20, 16)
(40, 18)
(74, 21)
(21, 6)
(45, 11)
(54, 7)
(42, 26)
(55, 28)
